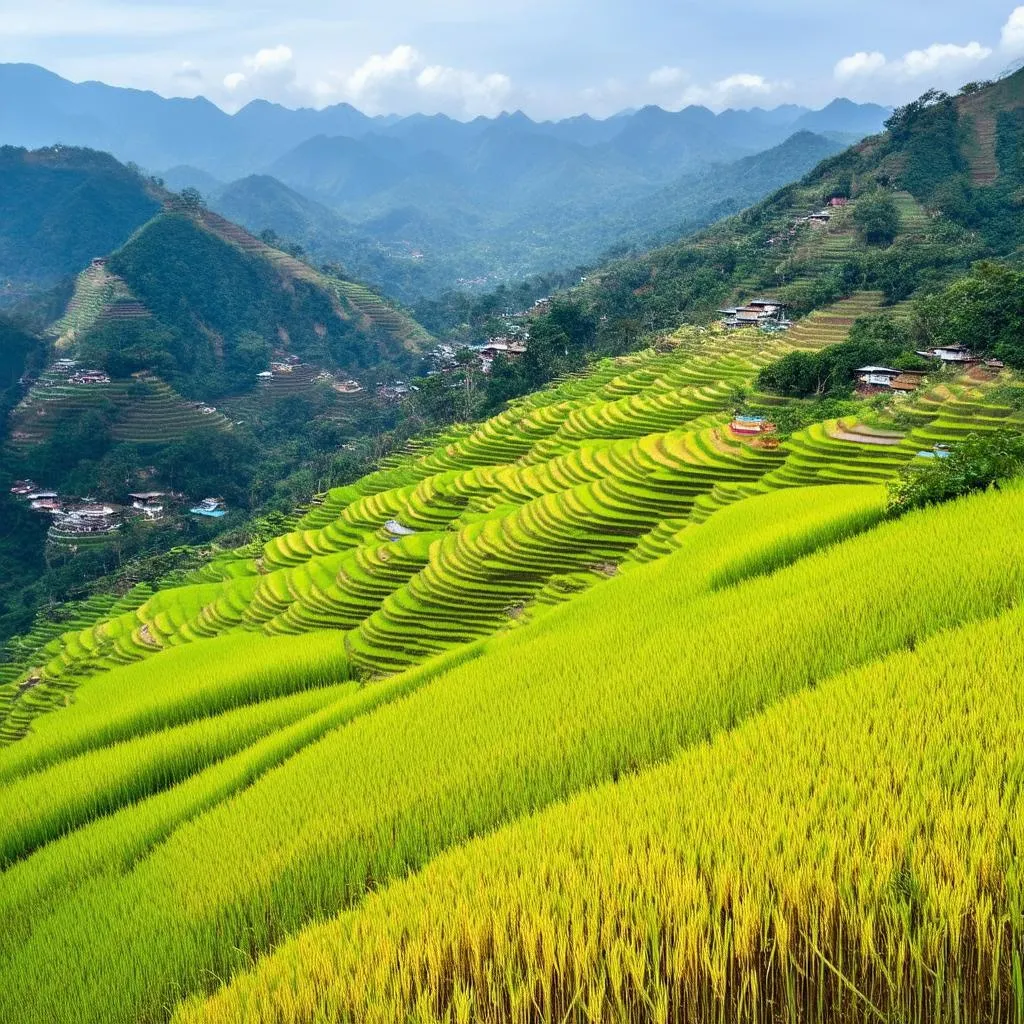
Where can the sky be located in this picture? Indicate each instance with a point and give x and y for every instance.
(552, 59)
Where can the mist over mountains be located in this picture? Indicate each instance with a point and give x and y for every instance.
(420, 203)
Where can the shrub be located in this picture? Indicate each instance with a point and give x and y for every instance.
(976, 463)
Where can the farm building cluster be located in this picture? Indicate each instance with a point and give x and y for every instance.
(877, 379)
(765, 314)
(76, 518)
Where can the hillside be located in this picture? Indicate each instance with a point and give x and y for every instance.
(411, 250)
(684, 688)
(461, 699)
(59, 208)
(427, 202)
(512, 201)
(945, 181)
(261, 202)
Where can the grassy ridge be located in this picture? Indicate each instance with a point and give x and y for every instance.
(231, 672)
(38, 807)
(475, 748)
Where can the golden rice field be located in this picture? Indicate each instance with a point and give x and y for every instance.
(593, 712)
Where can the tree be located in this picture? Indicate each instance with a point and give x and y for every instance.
(877, 219)
(984, 310)
(975, 464)
(192, 199)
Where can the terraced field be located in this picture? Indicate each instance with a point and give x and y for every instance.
(596, 710)
(144, 410)
(99, 295)
(488, 529)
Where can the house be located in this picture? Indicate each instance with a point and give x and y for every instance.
(90, 377)
(348, 387)
(756, 313)
(23, 488)
(147, 502)
(86, 519)
(879, 376)
(950, 354)
(836, 201)
(906, 382)
(751, 426)
(770, 307)
(211, 508)
(502, 347)
(995, 364)
(265, 375)
(51, 505)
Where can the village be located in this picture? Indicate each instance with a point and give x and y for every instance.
(769, 316)
(84, 519)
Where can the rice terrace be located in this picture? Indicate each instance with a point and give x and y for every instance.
(473, 567)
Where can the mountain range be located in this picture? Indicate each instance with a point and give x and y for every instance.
(425, 202)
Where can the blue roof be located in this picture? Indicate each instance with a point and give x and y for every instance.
(214, 513)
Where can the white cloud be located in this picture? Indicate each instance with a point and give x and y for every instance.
(667, 76)
(940, 56)
(743, 87)
(270, 59)
(478, 94)
(269, 72)
(402, 81)
(376, 71)
(860, 63)
(937, 59)
(1012, 39)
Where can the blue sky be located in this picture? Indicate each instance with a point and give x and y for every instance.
(552, 59)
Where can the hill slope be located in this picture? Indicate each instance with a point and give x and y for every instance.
(950, 205)
(532, 588)
(620, 704)
(59, 208)
(198, 300)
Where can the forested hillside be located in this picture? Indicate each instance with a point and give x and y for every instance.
(115, 394)
(60, 207)
(930, 196)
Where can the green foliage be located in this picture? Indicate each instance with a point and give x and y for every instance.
(984, 310)
(873, 341)
(220, 311)
(929, 135)
(973, 464)
(60, 207)
(877, 219)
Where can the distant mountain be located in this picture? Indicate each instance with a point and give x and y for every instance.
(458, 193)
(60, 207)
(919, 205)
(695, 200)
(844, 117)
(183, 176)
(261, 203)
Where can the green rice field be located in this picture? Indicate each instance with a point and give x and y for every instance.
(596, 711)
